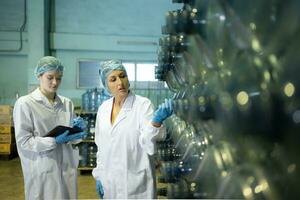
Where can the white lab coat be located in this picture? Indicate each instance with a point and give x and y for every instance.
(124, 162)
(49, 170)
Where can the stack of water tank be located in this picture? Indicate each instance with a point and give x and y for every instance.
(234, 68)
(87, 148)
(93, 98)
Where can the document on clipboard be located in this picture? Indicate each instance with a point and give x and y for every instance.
(58, 130)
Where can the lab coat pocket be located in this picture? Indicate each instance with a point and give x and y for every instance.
(46, 162)
(70, 157)
(137, 182)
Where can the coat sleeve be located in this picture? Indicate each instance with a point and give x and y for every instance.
(149, 133)
(24, 129)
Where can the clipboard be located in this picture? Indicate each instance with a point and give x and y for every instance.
(58, 130)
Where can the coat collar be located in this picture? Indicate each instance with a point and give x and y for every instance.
(128, 102)
(127, 106)
(38, 96)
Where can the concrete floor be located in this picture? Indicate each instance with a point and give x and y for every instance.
(12, 188)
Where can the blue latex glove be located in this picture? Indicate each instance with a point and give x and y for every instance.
(99, 188)
(64, 138)
(79, 122)
(164, 111)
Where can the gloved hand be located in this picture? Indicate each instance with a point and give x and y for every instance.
(64, 138)
(99, 188)
(164, 111)
(79, 122)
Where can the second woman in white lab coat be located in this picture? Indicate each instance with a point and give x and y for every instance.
(126, 130)
(49, 164)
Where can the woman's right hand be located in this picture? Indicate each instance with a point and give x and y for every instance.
(164, 111)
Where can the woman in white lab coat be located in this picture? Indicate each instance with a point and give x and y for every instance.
(49, 164)
(126, 129)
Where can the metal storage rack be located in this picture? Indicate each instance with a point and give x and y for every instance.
(87, 148)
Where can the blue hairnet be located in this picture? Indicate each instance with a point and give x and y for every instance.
(48, 63)
(106, 68)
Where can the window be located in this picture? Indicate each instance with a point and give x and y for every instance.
(130, 68)
(145, 72)
(88, 74)
(141, 74)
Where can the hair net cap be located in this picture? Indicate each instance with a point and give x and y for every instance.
(106, 68)
(48, 63)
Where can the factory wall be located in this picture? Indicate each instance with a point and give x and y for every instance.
(73, 30)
